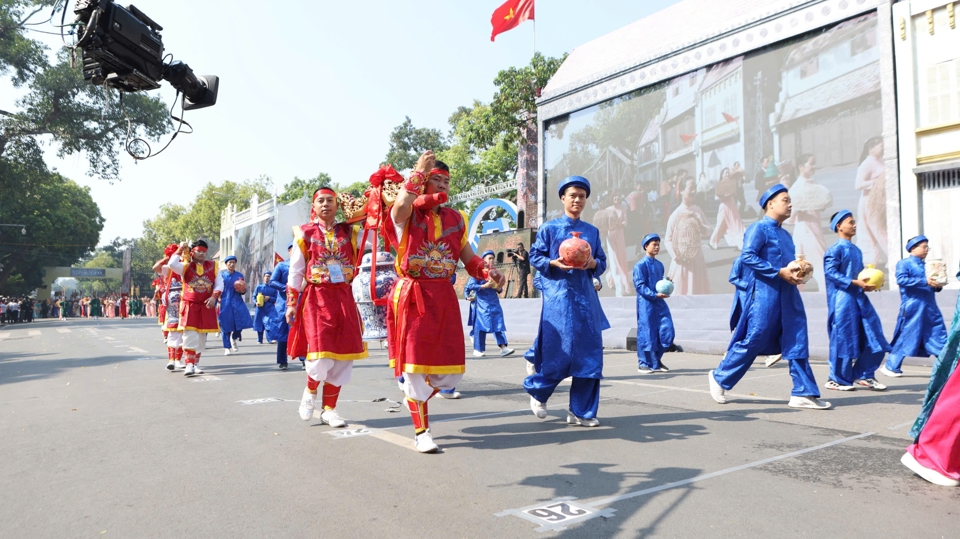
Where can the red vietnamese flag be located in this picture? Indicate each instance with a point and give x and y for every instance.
(729, 119)
(510, 15)
(277, 259)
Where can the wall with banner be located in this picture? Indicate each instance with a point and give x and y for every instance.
(688, 158)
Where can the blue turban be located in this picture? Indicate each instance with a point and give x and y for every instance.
(839, 218)
(579, 181)
(913, 242)
(648, 238)
(772, 192)
(229, 258)
(487, 252)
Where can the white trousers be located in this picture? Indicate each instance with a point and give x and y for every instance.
(330, 371)
(419, 387)
(195, 341)
(175, 339)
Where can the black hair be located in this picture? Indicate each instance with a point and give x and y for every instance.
(805, 158)
(438, 164)
(834, 216)
(199, 243)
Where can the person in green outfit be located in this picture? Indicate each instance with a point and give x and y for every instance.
(96, 308)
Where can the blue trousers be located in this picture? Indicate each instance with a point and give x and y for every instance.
(226, 338)
(584, 393)
(480, 339)
(737, 362)
(649, 359)
(846, 371)
(260, 337)
(281, 352)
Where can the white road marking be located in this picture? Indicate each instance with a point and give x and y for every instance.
(260, 401)
(694, 390)
(135, 349)
(901, 425)
(109, 338)
(675, 484)
(4, 334)
(63, 330)
(34, 333)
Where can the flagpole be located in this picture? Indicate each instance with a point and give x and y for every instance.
(534, 21)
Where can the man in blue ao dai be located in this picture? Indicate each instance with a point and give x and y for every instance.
(654, 324)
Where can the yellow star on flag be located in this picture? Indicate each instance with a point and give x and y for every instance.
(509, 15)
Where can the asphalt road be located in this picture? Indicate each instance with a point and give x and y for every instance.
(99, 440)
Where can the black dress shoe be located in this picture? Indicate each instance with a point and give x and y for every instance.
(283, 366)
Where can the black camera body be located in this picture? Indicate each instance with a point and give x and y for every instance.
(511, 252)
(123, 49)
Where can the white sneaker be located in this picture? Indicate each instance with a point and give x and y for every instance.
(424, 443)
(227, 352)
(170, 366)
(574, 420)
(332, 418)
(178, 364)
(455, 395)
(235, 347)
(772, 360)
(189, 370)
(477, 353)
(715, 390)
(888, 372)
(197, 369)
(643, 369)
(810, 403)
(504, 352)
(539, 408)
(531, 369)
(932, 476)
(307, 404)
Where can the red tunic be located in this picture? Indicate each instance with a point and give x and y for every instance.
(198, 282)
(425, 335)
(327, 324)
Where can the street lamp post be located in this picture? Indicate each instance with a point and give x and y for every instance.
(23, 229)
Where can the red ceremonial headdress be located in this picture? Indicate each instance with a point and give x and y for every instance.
(170, 249)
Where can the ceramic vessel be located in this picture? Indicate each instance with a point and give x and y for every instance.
(665, 286)
(872, 276)
(240, 286)
(802, 268)
(937, 270)
(374, 317)
(575, 251)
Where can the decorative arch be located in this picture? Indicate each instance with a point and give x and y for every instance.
(482, 211)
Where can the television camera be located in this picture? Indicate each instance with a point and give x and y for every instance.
(122, 48)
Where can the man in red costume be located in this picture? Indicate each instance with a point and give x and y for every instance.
(425, 334)
(202, 286)
(322, 314)
(171, 288)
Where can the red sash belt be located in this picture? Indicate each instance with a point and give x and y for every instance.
(297, 338)
(407, 296)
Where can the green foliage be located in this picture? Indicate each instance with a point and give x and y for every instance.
(408, 142)
(60, 105)
(298, 186)
(62, 220)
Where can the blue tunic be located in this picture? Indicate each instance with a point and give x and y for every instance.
(234, 315)
(654, 324)
(852, 322)
(570, 339)
(768, 299)
(277, 328)
(269, 306)
(920, 330)
(741, 281)
(485, 312)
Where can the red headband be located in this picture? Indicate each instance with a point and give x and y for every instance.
(200, 248)
(323, 190)
(439, 171)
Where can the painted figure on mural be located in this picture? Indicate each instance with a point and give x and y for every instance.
(684, 242)
(729, 225)
(872, 208)
(809, 200)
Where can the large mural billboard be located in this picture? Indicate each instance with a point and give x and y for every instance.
(688, 158)
(254, 251)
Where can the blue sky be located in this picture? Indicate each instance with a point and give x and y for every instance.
(317, 86)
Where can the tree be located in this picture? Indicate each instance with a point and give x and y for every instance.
(297, 187)
(77, 116)
(62, 220)
(408, 142)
